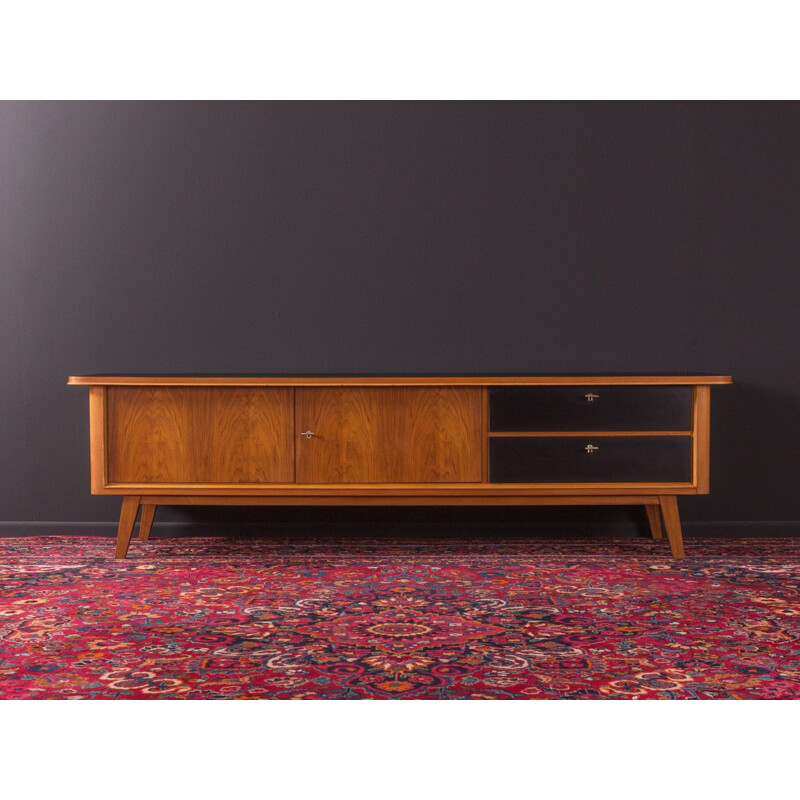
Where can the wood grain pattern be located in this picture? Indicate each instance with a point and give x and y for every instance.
(199, 435)
(409, 490)
(484, 434)
(702, 436)
(654, 518)
(398, 380)
(399, 500)
(672, 524)
(388, 435)
(127, 519)
(146, 521)
(97, 437)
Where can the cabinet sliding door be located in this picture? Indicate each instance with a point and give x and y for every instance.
(388, 434)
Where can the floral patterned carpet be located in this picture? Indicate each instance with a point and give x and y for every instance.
(386, 617)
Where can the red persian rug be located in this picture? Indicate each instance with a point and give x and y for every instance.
(391, 618)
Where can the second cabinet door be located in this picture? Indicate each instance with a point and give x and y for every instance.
(388, 434)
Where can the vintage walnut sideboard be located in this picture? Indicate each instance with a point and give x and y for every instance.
(399, 440)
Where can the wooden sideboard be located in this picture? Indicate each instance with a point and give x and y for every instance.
(399, 440)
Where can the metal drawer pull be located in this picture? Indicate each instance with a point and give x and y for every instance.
(590, 398)
(590, 448)
(308, 434)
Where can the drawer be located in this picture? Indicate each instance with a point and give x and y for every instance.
(590, 408)
(564, 459)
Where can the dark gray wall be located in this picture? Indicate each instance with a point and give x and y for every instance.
(529, 237)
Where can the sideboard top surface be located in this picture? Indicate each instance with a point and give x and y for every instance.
(397, 379)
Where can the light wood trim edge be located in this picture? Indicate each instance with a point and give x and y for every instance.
(418, 380)
(295, 433)
(466, 500)
(515, 434)
(334, 491)
(701, 443)
(97, 439)
(485, 434)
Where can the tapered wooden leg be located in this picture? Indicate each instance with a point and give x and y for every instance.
(127, 519)
(653, 517)
(148, 512)
(672, 524)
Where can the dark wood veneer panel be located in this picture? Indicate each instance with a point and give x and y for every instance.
(619, 459)
(566, 408)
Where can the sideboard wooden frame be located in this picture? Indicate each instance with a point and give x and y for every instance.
(659, 499)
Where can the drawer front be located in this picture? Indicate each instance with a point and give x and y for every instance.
(564, 459)
(590, 408)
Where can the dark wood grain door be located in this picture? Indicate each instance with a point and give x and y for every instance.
(388, 434)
